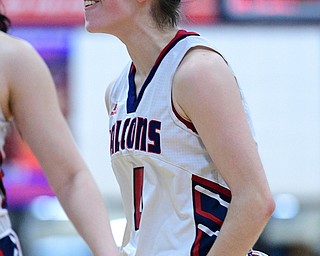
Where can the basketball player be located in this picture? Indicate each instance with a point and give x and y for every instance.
(181, 145)
(28, 98)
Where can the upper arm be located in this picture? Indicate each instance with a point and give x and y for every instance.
(35, 107)
(207, 93)
(33, 99)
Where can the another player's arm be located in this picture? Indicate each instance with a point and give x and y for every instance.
(206, 92)
(36, 111)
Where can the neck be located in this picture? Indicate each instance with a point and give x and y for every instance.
(145, 45)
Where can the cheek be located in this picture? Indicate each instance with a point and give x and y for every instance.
(111, 7)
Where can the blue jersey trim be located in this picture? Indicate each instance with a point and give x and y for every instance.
(132, 100)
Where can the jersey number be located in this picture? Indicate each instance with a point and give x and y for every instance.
(138, 176)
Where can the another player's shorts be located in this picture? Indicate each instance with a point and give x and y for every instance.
(9, 242)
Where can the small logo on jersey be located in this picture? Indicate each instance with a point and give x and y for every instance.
(114, 109)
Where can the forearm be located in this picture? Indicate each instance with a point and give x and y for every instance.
(242, 227)
(85, 207)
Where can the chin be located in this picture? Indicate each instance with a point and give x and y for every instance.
(90, 28)
(95, 28)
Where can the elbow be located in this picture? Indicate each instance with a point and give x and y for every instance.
(269, 206)
(261, 200)
(63, 185)
(266, 205)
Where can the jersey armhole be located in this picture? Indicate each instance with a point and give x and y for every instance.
(183, 120)
(107, 96)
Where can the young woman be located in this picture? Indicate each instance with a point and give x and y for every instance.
(28, 98)
(181, 143)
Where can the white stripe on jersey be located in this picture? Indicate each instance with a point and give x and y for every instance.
(212, 195)
(207, 230)
(256, 253)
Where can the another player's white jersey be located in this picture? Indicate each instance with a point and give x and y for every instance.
(3, 132)
(175, 200)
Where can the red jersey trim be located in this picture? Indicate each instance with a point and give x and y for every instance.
(187, 123)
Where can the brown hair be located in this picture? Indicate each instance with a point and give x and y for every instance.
(4, 21)
(166, 13)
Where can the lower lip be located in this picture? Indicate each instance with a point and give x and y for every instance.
(90, 6)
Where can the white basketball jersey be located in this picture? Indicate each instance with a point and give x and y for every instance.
(174, 198)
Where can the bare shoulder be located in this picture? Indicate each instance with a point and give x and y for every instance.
(13, 49)
(24, 72)
(202, 71)
(21, 61)
(18, 57)
(200, 62)
(15, 56)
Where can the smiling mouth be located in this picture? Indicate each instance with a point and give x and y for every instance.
(88, 3)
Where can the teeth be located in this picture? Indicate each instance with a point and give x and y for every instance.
(89, 2)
